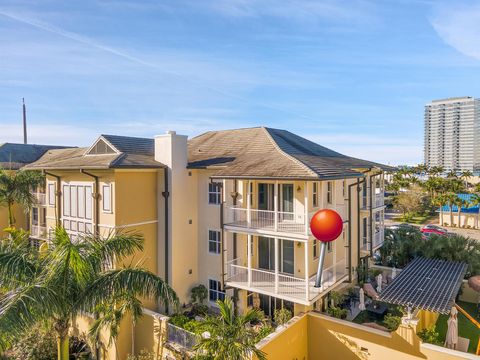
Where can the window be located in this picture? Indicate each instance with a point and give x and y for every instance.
(77, 207)
(214, 242)
(329, 246)
(315, 249)
(329, 192)
(344, 188)
(315, 194)
(251, 193)
(107, 197)
(51, 194)
(215, 291)
(214, 193)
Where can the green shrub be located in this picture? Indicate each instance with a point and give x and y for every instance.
(179, 320)
(430, 336)
(193, 326)
(198, 294)
(281, 316)
(336, 297)
(200, 309)
(264, 331)
(337, 312)
(392, 322)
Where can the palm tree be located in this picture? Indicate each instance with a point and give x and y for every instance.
(465, 175)
(70, 277)
(452, 174)
(475, 201)
(459, 202)
(436, 170)
(440, 200)
(450, 199)
(230, 336)
(16, 187)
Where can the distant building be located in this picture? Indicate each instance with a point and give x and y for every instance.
(452, 134)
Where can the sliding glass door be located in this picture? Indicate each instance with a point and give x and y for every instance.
(266, 255)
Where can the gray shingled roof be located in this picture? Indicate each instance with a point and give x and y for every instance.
(428, 284)
(132, 145)
(270, 153)
(14, 156)
(133, 153)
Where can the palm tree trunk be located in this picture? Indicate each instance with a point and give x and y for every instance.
(451, 216)
(11, 217)
(61, 328)
(459, 220)
(133, 338)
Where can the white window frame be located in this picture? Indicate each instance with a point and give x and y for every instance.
(52, 185)
(315, 194)
(329, 192)
(70, 222)
(344, 188)
(217, 292)
(217, 241)
(110, 209)
(315, 249)
(217, 194)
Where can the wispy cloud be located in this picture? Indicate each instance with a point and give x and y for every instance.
(334, 10)
(458, 25)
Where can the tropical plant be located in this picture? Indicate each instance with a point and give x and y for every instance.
(410, 202)
(450, 200)
(199, 293)
(459, 203)
(230, 336)
(439, 200)
(392, 322)
(337, 312)
(281, 316)
(144, 355)
(452, 174)
(430, 336)
(475, 201)
(70, 278)
(465, 175)
(16, 188)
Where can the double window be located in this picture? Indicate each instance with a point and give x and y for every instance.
(215, 290)
(214, 242)
(51, 194)
(329, 192)
(77, 207)
(214, 193)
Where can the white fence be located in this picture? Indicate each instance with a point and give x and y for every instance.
(40, 198)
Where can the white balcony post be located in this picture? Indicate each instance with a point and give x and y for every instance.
(334, 267)
(249, 214)
(305, 205)
(307, 272)
(277, 264)
(275, 205)
(249, 259)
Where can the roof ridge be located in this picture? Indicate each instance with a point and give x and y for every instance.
(294, 159)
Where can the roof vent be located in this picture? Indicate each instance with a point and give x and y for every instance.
(171, 132)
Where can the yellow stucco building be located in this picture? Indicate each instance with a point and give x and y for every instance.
(226, 209)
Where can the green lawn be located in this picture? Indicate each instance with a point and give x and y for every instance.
(465, 328)
(418, 220)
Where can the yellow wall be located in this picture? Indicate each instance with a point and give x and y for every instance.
(20, 218)
(316, 336)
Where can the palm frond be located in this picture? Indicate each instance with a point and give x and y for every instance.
(136, 281)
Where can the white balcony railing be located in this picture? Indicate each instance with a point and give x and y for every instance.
(283, 285)
(379, 200)
(39, 232)
(277, 221)
(378, 238)
(40, 198)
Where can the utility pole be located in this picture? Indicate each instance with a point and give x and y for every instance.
(24, 122)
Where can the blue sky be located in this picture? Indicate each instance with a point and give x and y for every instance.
(351, 75)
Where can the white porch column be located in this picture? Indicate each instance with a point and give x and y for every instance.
(334, 268)
(307, 272)
(249, 214)
(249, 259)
(277, 264)
(305, 205)
(275, 206)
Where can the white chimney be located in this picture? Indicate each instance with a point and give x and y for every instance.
(171, 150)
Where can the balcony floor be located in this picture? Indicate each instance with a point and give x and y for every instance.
(283, 226)
(288, 290)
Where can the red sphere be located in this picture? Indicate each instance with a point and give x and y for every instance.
(326, 225)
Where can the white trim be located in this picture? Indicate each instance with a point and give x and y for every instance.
(54, 183)
(286, 236)
(444, 350)
(95, 143)
(127, 225)
(351, 324)
(219, 241)
(109, 185)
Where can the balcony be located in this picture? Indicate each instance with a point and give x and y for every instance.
(39, 198)
(281, 285)
(378, 239)
(39, 232)
(266, 220)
